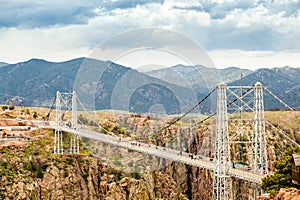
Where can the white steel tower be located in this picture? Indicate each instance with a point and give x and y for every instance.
(260, 160)
(222, 182)
(58, 145)
(68, 103)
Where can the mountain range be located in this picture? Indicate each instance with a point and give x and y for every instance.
(3, 64)
(107, 85)
(198, 77)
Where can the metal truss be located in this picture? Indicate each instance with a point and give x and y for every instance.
(244, 104)
(66, 102)
(260, 158)
(222, 182)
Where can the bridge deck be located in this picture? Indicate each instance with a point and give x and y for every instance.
(166, 153)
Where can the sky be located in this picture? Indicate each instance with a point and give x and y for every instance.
(245, 33)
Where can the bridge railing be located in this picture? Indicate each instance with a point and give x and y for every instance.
(163, 152)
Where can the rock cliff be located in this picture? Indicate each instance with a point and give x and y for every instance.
(33, 172)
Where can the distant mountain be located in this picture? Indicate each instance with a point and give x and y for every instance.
(198, 77)
(35, 82)
(3, 64)
(107, 85)
(283, 82)
(122, 88)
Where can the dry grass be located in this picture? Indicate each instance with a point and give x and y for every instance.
(285, 119)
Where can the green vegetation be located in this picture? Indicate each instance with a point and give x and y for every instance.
(35, 115)
(117, 160)
(7, 170)
(69, 161)
(27, 112)
(136, 173)
(4, 108)
(282, 178)
(118, 130)
(118, 175)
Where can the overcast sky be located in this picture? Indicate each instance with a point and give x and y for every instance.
(244, 33)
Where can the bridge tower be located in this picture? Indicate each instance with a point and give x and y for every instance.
(66, 102)
(58, 145)
(260, 158)
(222, 182)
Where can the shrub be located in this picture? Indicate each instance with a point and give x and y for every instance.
(27, 112)
(29, 166)
(39, 172)
(136, 175)
(282, 178)
(35, 115)
(69, 161)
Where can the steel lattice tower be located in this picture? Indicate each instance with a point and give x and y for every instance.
(65, 102)
(222, 182)
(260, 158)
(58, 145)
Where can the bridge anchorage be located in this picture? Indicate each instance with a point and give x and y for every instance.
(240, 127)
(65, 102)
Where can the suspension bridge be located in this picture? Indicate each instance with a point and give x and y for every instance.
(244, 101)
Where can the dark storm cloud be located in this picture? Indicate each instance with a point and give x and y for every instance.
(35, 14)
(32, 14)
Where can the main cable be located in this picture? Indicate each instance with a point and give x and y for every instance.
(229, 104)
(189, 111)
(50, 110)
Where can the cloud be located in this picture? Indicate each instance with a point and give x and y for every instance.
(33, 14)
(254, 59)
(54, 43)
(126, 4)
(53, 28)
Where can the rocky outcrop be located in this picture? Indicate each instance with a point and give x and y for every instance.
(283, 194)
(33, 172)
(74, 179)
(288, 194)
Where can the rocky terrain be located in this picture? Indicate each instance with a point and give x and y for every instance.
(29, 169)
(199, 182)
(33, 172)
(283, 194)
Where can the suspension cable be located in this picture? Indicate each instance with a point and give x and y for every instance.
(277, 98)
(50, 110)
(268, 122)
(189, 111)
(281, 132)
(229, 104)
(99, 126)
